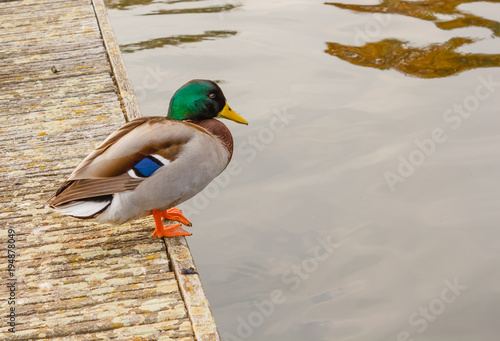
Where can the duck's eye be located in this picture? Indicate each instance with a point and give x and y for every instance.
(212, 95)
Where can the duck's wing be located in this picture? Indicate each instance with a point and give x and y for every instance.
(126, 158)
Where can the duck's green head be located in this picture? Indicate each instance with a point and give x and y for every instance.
(200, 100)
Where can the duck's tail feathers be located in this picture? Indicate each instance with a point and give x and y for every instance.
(85, 209)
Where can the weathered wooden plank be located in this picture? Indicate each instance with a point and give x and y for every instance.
(37, 94)
(11, 8)
(73, 88)
(87, 67)
(22, 4)
(71, 105)
(86, 64)
(62, 85)
(33, 34)
(49, 15)
(55, 30)
(66, 56)
(98, 109)
(81, 42)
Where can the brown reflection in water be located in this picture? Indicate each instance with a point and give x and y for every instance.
(436, 60)
(175, 40)
(427, 10)
(214, 9)
(124, 4)
(116, 4)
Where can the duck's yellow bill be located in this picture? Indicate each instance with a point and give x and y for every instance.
(228, 113)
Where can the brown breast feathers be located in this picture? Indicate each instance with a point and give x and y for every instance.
(219, 130)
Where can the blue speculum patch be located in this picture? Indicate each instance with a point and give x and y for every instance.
(147, 166)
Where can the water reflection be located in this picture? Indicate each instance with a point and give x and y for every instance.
(175, 40)
(434, 60)
(124, 4)
(429, 10)
(213, 9)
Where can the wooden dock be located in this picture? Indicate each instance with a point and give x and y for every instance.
(63, 89)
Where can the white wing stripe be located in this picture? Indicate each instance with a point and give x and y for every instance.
(161, 159)
(132, 174)
(82, 209)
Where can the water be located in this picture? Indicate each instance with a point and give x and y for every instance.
(362, 201)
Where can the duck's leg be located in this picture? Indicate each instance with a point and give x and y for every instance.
(176, 215)
(169, 230)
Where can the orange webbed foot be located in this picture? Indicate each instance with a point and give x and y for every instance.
(176, 215)
(169, 230)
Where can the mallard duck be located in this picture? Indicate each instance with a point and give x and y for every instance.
(152, 164)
